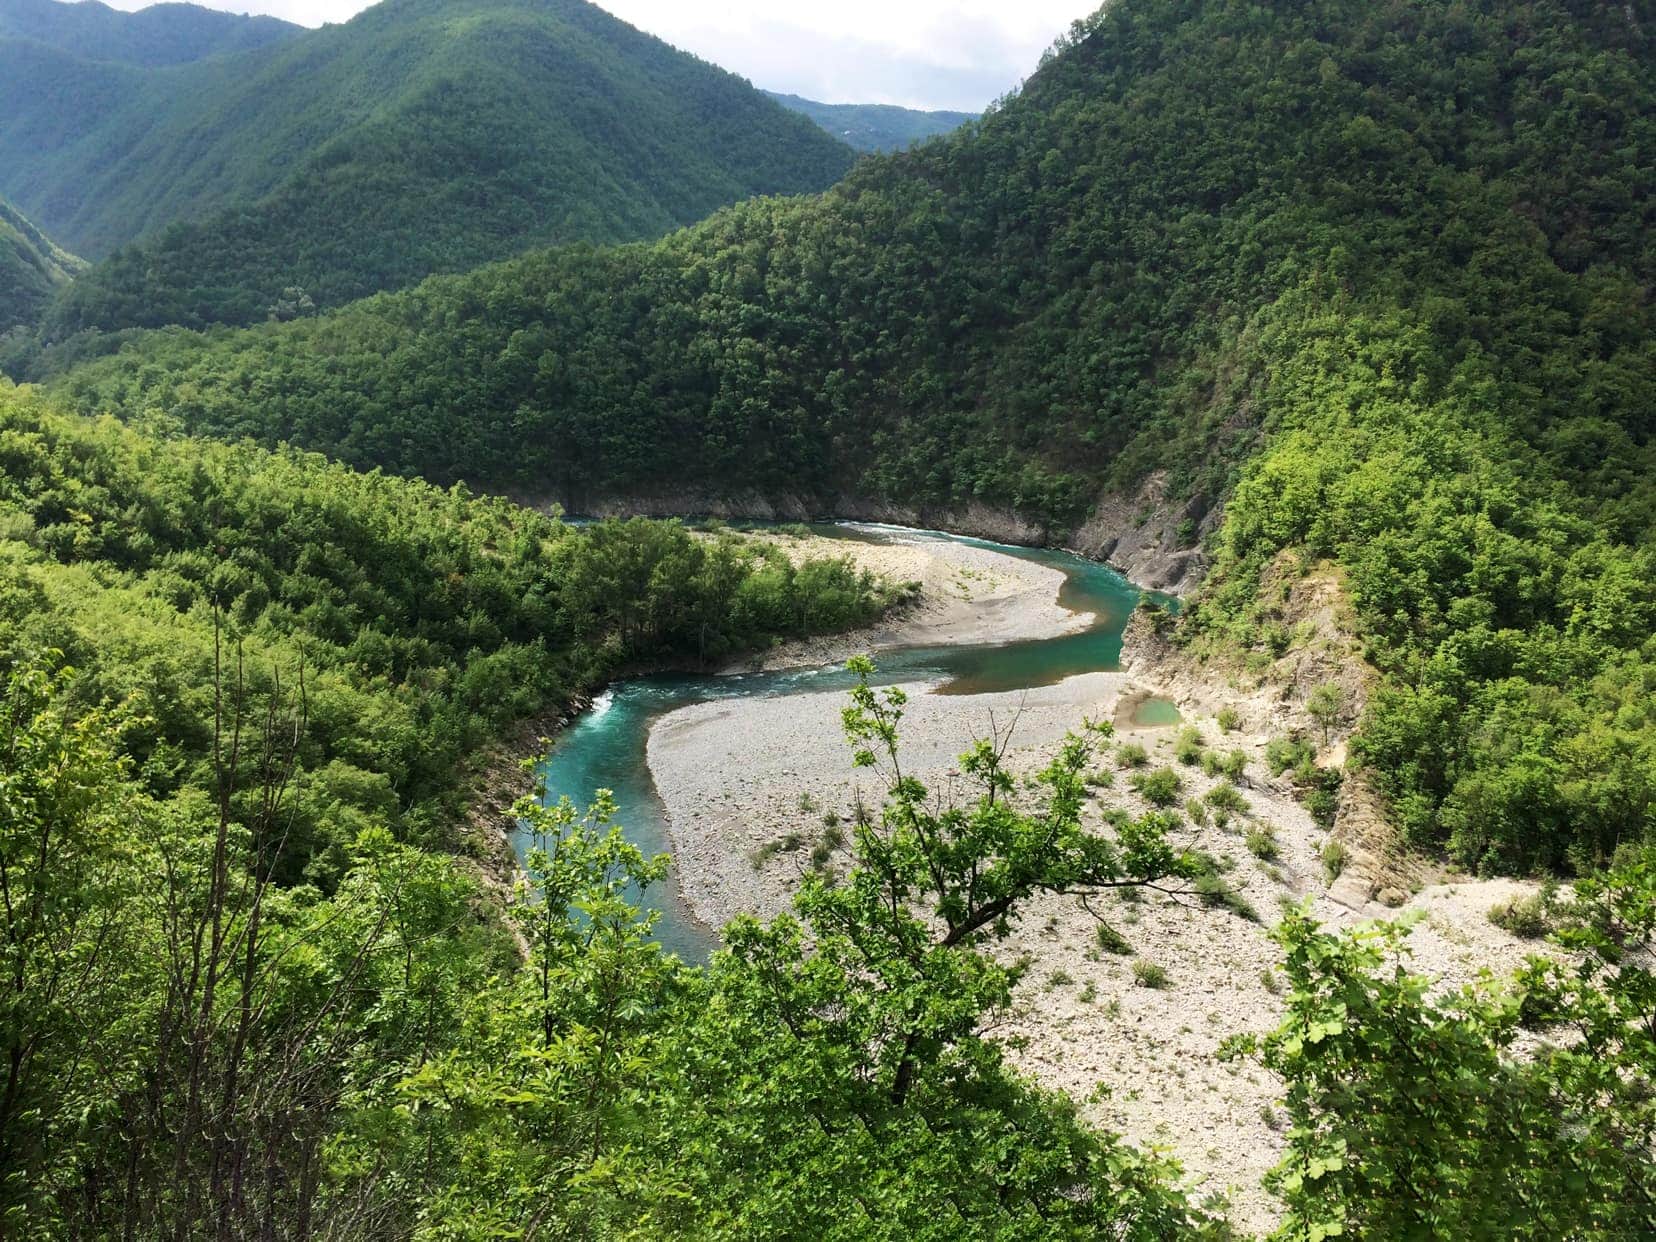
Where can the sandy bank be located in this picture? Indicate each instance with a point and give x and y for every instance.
(752, 786)
(968, 596)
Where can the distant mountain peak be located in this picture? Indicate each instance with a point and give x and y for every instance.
(875, 127)
(151, 38)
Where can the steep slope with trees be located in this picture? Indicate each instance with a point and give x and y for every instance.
(31, 269)
(1379, 277)
(162, 34)
(418, 137)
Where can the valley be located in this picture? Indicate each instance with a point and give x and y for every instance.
(1150, 734)
(742, 779)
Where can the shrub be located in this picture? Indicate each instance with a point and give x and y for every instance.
(1324, 705)
(1262, 843)
(1228, 720)
(1148, 974)
(1236, 764)
(1333, 859)
(1227, 798)
(1188, 748)
(1214, 892)
(1527, 917)
(1112, 941)
(1131, 755)
(1320, 790)
(1196, 811)
(1282, 753)
(1158, 788)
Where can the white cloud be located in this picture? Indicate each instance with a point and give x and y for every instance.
(919, 53)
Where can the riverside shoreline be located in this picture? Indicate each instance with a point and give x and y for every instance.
(968, 596)
(757, 791)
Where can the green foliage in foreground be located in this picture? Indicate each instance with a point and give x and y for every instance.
(425, 622)
(198, 1048)
(201, 1050)
(1420, 1117)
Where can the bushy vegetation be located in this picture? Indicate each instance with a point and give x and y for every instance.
(1458, 1133)
(424, 622)
(183, 1031)
(423, 136)
(1159, 787)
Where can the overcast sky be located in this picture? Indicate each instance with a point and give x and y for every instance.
(956, 54)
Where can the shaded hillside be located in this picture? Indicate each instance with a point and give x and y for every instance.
(419, 137)
(31, 269)
(875, 127)
(163, 34)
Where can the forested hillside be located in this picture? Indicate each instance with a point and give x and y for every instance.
(1380, 277)
(418, 137)
(162, 34)
(875, 127)
(1371, 282)
(249, 988)
(31, 269)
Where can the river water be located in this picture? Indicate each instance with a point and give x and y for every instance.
(604, 748)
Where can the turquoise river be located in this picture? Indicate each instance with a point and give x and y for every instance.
(604, 748)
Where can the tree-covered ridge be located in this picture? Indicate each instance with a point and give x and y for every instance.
(426, 622)
(32, 268)
(1391, 265)
(161, 34)
(876, 127)
(418, 137)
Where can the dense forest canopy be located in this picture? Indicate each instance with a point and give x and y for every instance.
(427, 621)
(162, 34)
(418, 137)
(32, 268)
(875, 127)
(1379, 277)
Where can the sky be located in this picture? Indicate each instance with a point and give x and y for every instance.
(953, 54)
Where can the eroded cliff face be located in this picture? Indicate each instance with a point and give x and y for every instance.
(1153, 542)
(1269, 693)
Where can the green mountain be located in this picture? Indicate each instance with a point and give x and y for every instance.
(1364, 289)
(419, 137)
(31, 269)
(1372, 282)
(163, 34)
(875, 127)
